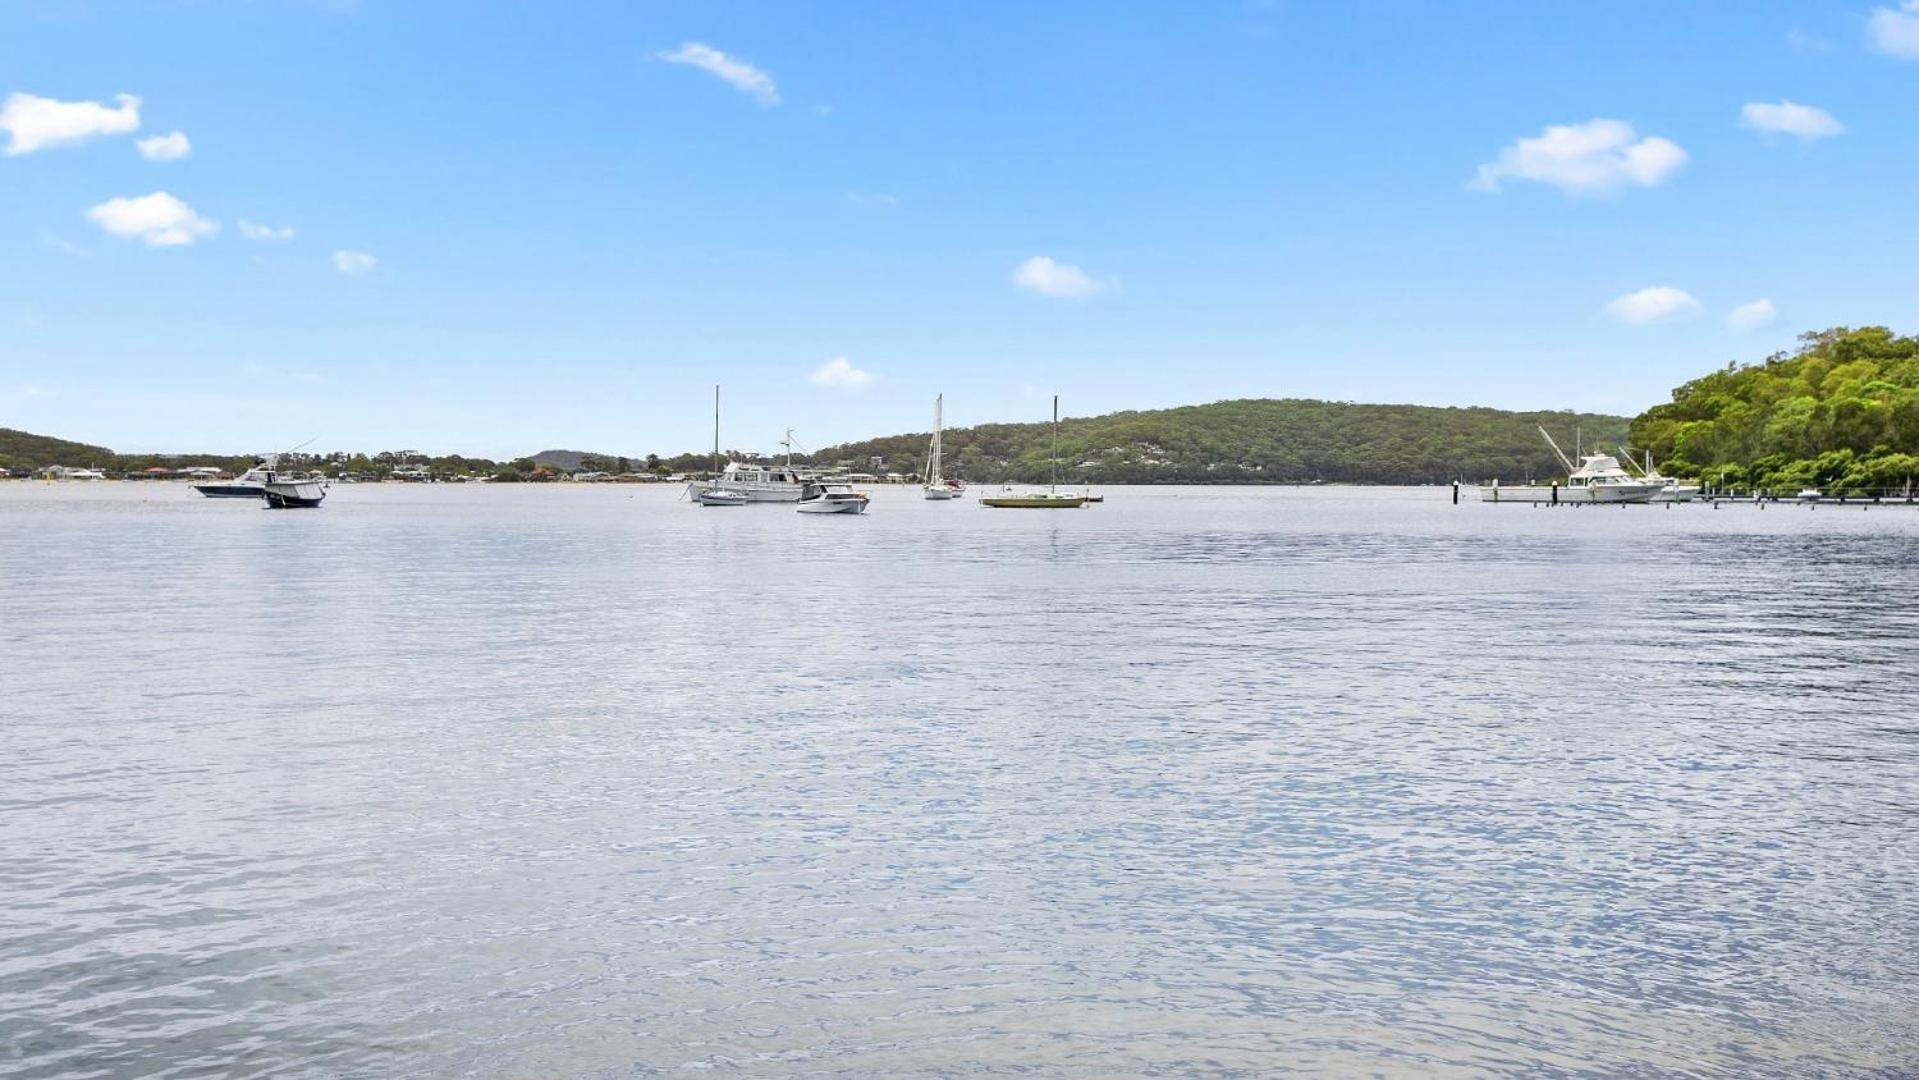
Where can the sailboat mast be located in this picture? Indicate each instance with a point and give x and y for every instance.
(716, 429)
(1054, 486)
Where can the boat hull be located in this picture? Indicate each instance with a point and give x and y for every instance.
(721, 498)
(1608, 493)
(772, 493)
(1035, 502)
(229, 491)
(825, 506)
(941, 494)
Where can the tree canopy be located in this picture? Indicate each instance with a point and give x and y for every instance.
(1840, 413)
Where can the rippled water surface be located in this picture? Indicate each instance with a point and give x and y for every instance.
(549, 781)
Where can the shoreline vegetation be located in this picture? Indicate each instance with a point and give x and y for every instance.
(1840, 413)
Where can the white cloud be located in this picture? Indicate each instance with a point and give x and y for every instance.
(1895, 33)
(1655, 304)
(1786, 118)
(736, 73)
(1048, 278)
(354, 263)
(1593, 158)
(839, 371)
(170, 147)
(254, 231)
(34, 123)
(159, 219)
(1751, 316)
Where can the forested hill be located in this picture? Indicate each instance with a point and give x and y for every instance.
(1257, 440)
(25, 450)
(1840, 414)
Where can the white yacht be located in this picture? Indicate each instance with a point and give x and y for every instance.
(1596, 479)
(758, 481)
(1600, 479)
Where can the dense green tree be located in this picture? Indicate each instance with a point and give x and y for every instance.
(1841, 413)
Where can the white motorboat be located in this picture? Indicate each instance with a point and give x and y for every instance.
(248, 485)
(828, 498)
(1810, 495)
(934, 487)
(1671, 490)
(1596, 479)
(721, 497)
(283, 493)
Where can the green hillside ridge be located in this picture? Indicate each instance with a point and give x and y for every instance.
(1840, 414)
(1264, 440)
(26, 451)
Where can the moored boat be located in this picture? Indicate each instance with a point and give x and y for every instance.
(935, 488)
(1050, 499)
(248, 485)
(1035, 500)
(721, 497)
(831, 498)
(1596, 479)
(287, 494)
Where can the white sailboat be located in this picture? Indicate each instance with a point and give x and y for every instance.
(718, 496)
(935, 487)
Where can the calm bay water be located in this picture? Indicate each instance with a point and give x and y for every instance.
(551, 781)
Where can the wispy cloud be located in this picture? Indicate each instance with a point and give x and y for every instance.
(159, 219)
(265, 233)
(354, 263)
(35, 123)
(1597, 157)
(1656, 304)
(1056, 279)
(1804, 42)
(840, 372)
(169, 147)
(733, 71)
(1895, 32)
(62, 244)
(1752, 315)
(1786, 118)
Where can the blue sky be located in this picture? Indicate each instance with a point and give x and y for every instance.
(516, 226)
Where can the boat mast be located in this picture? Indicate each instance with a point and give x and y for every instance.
(1054, 486)
(716, 430)
(933, 469)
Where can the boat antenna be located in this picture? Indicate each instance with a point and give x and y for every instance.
(1561, 454)
(790, 442)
